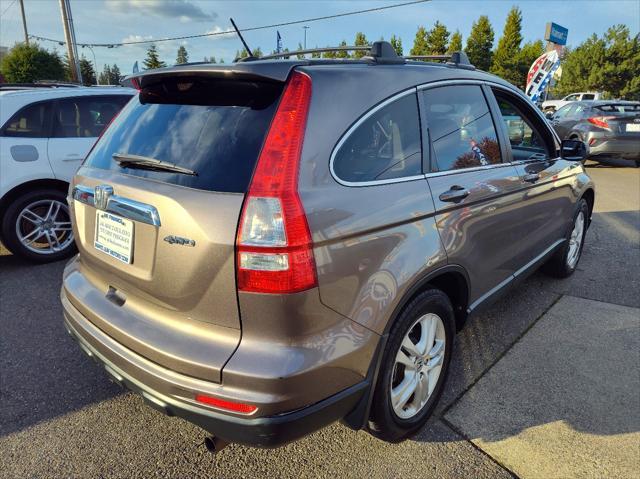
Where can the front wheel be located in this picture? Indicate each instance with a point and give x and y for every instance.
(37, 226)
(565, 261)
(414, 367)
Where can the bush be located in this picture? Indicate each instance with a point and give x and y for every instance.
(28, 63)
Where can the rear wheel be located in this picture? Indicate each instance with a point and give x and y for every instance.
(37, 226)
(565, 261)
(414, 367)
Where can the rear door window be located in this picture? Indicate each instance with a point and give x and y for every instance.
(30, 122)
(213, 127)
(385, 145)
(460, 127)
(85, 117)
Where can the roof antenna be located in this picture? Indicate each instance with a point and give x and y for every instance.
(246, 47)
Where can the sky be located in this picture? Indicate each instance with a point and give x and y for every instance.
(105, 21)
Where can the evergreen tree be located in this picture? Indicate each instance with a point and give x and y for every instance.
(153, 60)
(212, 60)
(396, 43)
(480, 44)
(529, 53)
(437, 39)
(300, 47)
(183, 56)
(28, 63)
(343, 53)
(105, 75)
(507, 56)
(609, 64)
(360, 41)
(87, 71)
(115, 75)
(455, 45)
(420, 46)
(222, 60)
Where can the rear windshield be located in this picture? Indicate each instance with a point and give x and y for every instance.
(212, 127)
(619, 108)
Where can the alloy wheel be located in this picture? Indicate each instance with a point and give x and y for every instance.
(44, 227)
(575, 240)
(418, 364)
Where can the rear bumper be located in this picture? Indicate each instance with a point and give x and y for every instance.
(613, 147)
(172, 393)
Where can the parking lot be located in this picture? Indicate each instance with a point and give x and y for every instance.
(62, 417)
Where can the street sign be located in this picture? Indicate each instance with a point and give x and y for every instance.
(556, 34)
(540, 74)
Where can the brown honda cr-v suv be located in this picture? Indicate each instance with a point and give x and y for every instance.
(269, 246)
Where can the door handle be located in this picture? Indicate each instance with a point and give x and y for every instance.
(455, 194)
(531, 177)
(72, 157)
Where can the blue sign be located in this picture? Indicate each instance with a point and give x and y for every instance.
(556, 34)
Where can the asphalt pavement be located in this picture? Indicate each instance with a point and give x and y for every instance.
(61, 417)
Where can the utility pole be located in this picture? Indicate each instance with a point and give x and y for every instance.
(305, 36)
(24, 23)
(69, 35)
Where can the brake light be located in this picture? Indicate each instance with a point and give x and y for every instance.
(601, 121)
(274, 246)
(228, 405)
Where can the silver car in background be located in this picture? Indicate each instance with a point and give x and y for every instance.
(611, 129)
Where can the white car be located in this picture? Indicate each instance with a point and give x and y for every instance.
(45, 133)
(554, 105)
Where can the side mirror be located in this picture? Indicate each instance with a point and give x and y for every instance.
(549, 115)
(573, 150)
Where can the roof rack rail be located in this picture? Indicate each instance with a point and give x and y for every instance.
(306, 52)
(37, 84)
(457, 59)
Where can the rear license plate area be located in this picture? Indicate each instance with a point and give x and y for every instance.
(114, 236)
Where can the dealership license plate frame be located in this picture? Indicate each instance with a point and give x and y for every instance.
(107, 243)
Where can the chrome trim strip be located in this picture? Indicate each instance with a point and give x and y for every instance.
(119, 205)
(466, 170)
(352, 128)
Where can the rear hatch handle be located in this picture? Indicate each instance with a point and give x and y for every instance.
(118, 205)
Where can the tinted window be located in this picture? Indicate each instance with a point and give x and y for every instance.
(460, 128)
(386, 145)
(526, 143)
(85, 117)
(213, 127)
(30, 122)
(588, 96)
(573, 97)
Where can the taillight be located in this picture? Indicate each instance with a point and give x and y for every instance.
(274, 246)
(601, 121)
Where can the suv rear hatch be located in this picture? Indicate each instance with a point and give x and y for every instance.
(156, 209)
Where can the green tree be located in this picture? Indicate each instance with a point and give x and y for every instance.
(316, 55)
(87, 71)
(528, 54)
(437, 39)
(115, 75)
(343, 53)
(28, 63)
(360, 41)
(182, 56)
(455, 45)
(609, 64)
(420, 45)
(507, 56)
(153, 59)
(396, 43)
(480, 44)
(329, 54)
(300, 47)
(105, 75)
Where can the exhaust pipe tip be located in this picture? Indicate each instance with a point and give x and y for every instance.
(214, 444)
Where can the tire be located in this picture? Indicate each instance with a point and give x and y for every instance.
(565, 261)
(36, 226)
(395, 424)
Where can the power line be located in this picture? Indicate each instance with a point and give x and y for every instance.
(5, 10)
(227, 32)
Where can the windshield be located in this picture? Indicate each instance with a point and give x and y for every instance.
(212, 127)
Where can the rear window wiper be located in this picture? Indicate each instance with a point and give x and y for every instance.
(125, 160)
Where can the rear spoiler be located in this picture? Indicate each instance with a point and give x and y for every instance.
(276, 71)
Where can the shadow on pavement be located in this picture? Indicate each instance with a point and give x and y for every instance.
(43, 372)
